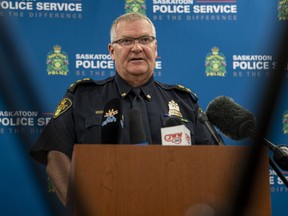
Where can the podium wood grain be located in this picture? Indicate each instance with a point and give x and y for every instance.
(155, 180)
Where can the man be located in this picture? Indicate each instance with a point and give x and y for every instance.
(78, 116)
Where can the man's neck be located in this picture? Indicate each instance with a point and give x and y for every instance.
(136, 81)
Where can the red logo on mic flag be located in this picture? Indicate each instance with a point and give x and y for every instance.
(176, 135)
(188, 138)
(174, 138)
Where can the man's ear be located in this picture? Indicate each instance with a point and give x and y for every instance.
(111, 50)
(156, 50)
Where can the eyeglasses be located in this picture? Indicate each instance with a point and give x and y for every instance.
(144, 40)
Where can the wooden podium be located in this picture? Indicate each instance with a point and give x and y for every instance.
(130, 180)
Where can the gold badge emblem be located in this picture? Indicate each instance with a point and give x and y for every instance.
(62, 107)
(174, 109)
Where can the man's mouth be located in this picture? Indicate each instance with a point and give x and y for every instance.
(136, 59)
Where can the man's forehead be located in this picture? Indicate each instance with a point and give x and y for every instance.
(134, 25)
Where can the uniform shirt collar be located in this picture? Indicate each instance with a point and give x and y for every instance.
(124, 89)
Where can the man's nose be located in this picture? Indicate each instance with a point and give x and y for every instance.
(136, 46)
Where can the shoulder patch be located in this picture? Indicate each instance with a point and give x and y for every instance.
(87, 81)
(179, 87)
(62, 107)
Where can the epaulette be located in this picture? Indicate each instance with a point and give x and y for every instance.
(178, 87)
(87, 81)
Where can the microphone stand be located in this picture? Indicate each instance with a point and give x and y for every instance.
(273, 165)
(203, 119)
(273, 148)
(279, 173)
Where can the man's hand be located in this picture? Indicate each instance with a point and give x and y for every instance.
(58, 170)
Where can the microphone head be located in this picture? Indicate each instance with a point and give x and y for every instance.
(173, 121)
(233, 120)
(136, 128)
(112, 122)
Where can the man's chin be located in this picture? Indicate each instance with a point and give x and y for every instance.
(138, 71)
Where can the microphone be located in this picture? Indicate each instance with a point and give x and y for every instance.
(203, 119)
(112, 122)
(173, 121)
(136, 128)
(175, 132)
(233, 120)
(237, 123)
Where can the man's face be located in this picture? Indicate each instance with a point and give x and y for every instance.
(134, 63)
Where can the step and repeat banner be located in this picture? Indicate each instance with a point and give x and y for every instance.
(213, 47)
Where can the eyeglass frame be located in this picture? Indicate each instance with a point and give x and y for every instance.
(134, 40)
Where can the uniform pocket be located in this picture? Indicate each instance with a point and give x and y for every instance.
(96, 120)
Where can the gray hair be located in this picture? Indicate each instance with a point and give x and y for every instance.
(130, 17)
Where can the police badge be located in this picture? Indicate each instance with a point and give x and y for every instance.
(57, 62)
(215, 63)
(135, 6)
(174, 109)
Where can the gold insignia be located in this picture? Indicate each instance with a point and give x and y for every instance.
(123, 94)
(184, 88)
(148, 96)
(189, 90)
(86, 79)
(74, 83)
(98, 112)
(174, 109)
(62, 107)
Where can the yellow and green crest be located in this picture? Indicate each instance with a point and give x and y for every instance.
(57, 62)
(215, 63)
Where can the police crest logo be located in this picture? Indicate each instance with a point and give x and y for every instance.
(215, 63)
(57, 62)
(135, 6)
(283, 10)
(62, 107)
(285, 122)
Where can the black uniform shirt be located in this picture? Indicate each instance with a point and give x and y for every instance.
(78, 116)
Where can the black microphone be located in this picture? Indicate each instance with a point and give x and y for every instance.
(237, 123)
(173, 121)
(112, 122)
(203, 119)
(136, 128)
(233, 120)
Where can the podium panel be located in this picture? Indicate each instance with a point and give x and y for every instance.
(160, 180)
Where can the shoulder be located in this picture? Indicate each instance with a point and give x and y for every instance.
(178, 88)
(88, 82)
(68, 100)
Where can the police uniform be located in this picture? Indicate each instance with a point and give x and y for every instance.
(78, 116)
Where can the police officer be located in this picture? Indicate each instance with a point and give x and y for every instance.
(78, 117)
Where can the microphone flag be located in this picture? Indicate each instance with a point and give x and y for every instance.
(176, 136)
